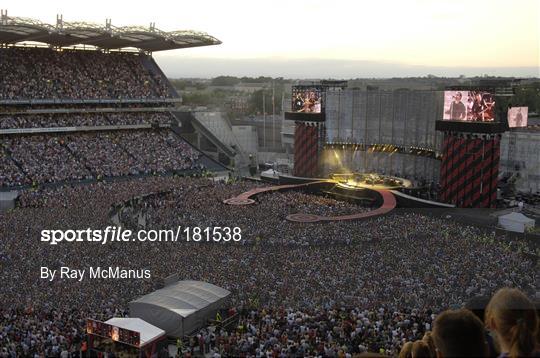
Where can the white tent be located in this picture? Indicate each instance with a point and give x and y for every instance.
(149, 333)
(515, 222)
(180, 308)
(7, 200)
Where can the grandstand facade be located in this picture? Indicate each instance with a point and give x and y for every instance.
(84, 102)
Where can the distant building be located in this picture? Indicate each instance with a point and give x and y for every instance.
(237, 104)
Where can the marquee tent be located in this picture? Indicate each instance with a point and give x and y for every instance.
(515, 222)
(181, 308)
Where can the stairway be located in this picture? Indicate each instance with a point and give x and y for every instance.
(151, 65)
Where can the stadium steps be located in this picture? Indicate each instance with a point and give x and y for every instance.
(126, 150)
(17, 164)
(204, 131)
(80, 159)
(77, 158)
(151, 65)
(204, 159)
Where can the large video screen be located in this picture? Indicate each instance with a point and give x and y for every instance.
(474, 106)
(517, 117)
(306, 99)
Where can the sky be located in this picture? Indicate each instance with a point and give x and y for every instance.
(328, 38)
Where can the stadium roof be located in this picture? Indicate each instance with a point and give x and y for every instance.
(14, 30)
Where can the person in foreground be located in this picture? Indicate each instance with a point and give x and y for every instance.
(512, 317)
(459, 333)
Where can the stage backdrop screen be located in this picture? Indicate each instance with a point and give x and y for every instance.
(306, 99)
(473, 106)
(517, 117)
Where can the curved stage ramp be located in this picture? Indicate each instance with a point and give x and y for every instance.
(244, 198)
(388, 203)
(409, 201)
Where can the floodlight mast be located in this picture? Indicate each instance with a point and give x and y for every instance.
(3, 13)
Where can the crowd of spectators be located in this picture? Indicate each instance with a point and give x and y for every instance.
(52, 120)
(43, 73)
(32, 73)
(325, 289)
(103, 154)
(46, 158)
(168, 152)
(133, 152)
(10, 175)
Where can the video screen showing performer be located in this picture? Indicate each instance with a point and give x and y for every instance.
(483, 106)
(454, 106)
(306, 100)
(474, 106)
(517, 117)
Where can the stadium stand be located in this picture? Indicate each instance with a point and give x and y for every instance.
(49, 120)
(42, 73)
(58, 123)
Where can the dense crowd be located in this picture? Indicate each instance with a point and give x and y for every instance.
(326, 289)
(52, 120)
(43, 73)
(46, 158)
(10, 174)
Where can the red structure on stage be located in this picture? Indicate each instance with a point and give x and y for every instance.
(469, 170)
(306, 149)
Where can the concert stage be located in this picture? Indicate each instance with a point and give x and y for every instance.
(378, 190)
(370, 181)
(388, 201)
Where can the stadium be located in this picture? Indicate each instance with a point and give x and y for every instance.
(383, 222)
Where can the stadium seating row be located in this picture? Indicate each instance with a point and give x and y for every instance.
(50, 120)
(42, 73)
(46, 158)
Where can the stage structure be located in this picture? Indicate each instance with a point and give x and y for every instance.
(308, 110)
(451, 138)
(473, 123)
(469, 170)
(368, 131)
(307, 138)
